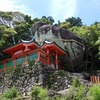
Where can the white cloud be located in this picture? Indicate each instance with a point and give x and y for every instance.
(62, 9)
(12, 5)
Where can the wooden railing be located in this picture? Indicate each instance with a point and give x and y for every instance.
(12, 62)
(95, 79)
(44, 57)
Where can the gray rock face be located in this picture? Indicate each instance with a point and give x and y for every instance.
(16, 17)
(71, 43)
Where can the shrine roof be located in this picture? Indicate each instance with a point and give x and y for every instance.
(21, 45)
(53, 47)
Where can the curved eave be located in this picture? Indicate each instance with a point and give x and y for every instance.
(13, 48)
(28, 42)
(21, 46)
(52, 47)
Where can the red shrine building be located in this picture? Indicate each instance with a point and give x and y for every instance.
(26, 51)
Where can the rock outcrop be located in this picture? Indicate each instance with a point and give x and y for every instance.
(14, 16)
(70, 42)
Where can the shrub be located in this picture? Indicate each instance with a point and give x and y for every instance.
(95, 92)
(35, 92)
(80, 93)
(76, 83)
(11, 93)
(14, 70)
(39, 93)
(61, 73)
(31, 63)
(76, 93)
(59, 98)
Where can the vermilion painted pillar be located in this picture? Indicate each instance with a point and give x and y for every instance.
(14, 62)
(39, 54)
(56, 61)
(26, 59)
(48, 52)
(4, 66)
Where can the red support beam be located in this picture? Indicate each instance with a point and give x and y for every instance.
(56, 56)
(14, 62)
(48, 57)
(26, 60)
(39, 54)
(4, 66)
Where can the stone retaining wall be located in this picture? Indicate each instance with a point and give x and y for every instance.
(26, 77)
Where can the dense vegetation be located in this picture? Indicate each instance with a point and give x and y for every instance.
(20, 30)
(76, 92)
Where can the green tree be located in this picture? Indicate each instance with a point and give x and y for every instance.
(5, 34)
(74, 21)
(44, 19)
(6, 16)
(28, 19)
(36, 20)
(22, 32)
(50, 19)
(90, 34)
(65, 25)
(98, 43)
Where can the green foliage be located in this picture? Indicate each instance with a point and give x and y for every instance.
(17, 69)
(9, 31)
(77, 93)
(61, 73)
(5, 33)
(74, 21)
(58, 98)
(35, 93)
(21, 28)
(31, 64)
(43, 94)
(39, 93)
(6, 16)
(11, 93)
(98, 43)
(28, 19)
(90, 34)
(22, 31)
(16, 22)
(48, 20)
(95, 92)
(44, 20)
(80, 93)
(76, 83)
(14, 71)
(65, 25)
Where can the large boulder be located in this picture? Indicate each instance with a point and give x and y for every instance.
(70, 42)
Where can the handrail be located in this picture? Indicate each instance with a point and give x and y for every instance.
(24, 55)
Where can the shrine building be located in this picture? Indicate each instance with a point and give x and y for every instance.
(26, 51)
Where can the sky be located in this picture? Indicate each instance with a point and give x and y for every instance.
(87, 10)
